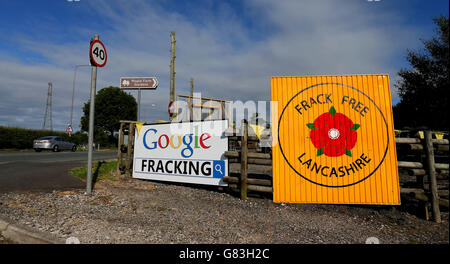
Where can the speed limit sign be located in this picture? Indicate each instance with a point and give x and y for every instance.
(98, 54)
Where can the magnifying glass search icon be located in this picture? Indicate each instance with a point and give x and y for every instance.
(218, 168)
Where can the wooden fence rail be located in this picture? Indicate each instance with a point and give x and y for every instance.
(251, 170)
(430, 186)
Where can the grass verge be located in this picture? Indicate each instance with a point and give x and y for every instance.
(101, 170)
(16, 150)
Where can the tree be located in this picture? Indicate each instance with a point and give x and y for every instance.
(423, 90)
(111, 105)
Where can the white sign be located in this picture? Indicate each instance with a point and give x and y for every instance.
(98, 54)
(190, 152)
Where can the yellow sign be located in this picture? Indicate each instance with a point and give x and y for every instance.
(334, 140)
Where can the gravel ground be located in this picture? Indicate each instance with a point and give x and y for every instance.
(136, 211)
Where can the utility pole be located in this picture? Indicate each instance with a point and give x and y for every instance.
(191, 101)
(48, 107)
(139, 105)
(172, 68)
(192, 87)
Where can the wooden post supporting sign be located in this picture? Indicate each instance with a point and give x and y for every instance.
(429, 152)
(244, 165)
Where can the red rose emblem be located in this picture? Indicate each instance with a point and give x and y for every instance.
(333, 134)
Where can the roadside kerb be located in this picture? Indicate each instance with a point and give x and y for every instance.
(24, 235)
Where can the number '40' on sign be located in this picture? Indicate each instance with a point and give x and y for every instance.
(98, 53)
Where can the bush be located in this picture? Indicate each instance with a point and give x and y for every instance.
(79, 138)
(22, 138)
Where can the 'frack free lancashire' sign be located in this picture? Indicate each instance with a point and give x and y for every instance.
(334, 140)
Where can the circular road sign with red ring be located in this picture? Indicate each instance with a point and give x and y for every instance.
(98, 54)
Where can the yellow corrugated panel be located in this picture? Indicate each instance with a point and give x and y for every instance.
(334, 140)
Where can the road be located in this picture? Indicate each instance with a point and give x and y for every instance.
(44, 171)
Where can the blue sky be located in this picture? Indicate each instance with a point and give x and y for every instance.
(231, 48)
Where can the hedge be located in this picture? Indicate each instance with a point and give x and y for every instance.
(22, 138)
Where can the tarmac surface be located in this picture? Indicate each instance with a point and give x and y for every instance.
(43, 171)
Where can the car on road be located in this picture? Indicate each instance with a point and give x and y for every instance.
(54, 143)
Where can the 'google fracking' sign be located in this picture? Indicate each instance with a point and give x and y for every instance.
(182, 152)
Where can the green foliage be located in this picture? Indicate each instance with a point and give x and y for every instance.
(22, 138)
(111, 105)
(78, 138)
(100, 171)
(423, 90)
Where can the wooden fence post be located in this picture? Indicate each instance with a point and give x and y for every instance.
(129, 149)
(429, 152)
(119, 149)
(244, 154)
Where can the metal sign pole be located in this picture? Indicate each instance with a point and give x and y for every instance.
(91, 126)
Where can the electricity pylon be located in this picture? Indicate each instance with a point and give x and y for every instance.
(48, 107)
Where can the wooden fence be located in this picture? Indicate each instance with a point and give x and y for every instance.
(423, 166)
(125, 149)
(250, 169)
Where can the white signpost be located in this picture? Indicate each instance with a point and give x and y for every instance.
(190, 152)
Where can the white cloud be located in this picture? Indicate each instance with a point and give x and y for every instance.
(229, 56)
